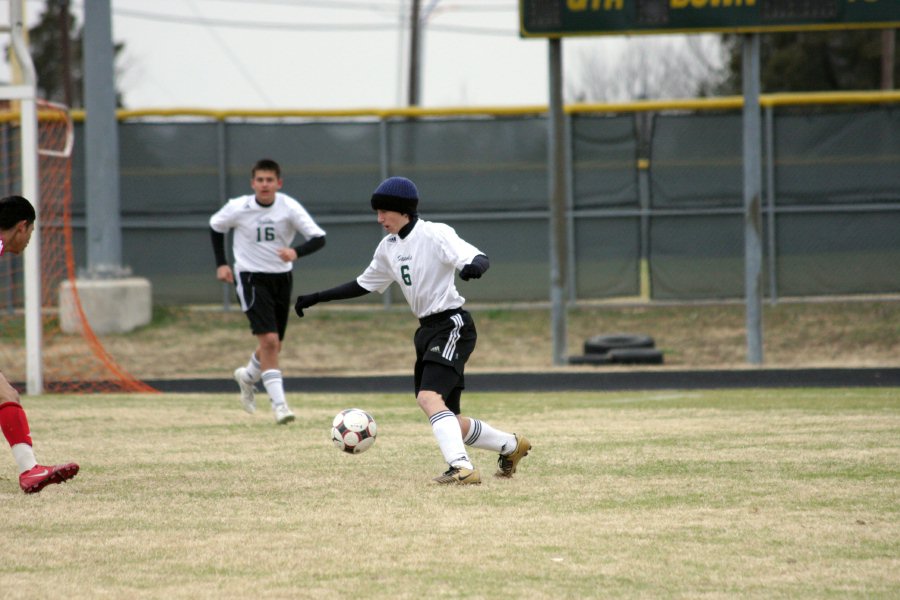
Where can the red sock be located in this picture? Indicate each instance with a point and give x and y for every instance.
(14, 424)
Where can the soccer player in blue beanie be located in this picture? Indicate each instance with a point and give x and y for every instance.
(422, 257)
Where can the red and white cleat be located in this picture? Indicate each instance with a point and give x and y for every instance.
(39, 477)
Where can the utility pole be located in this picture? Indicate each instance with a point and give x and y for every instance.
(752, 150)
(414, 47)
(112, 300)
(104, 243)
(64, 44)
(557, 145)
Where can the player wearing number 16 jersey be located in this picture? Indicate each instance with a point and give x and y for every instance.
(265, 224)
(422, 257)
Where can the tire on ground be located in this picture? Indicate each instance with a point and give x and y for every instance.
(634, 356)
(601, 344)
(590, 359)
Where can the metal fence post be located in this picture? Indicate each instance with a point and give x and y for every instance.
(384, 160)
(571, 259)
(644, 122)
(222, 178)
(770, 202)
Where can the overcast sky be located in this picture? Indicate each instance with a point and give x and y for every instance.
(324, 53)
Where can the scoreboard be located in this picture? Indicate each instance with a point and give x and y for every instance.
(558, 18)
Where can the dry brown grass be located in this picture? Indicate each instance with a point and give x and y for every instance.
(709, 494)
(351, 339)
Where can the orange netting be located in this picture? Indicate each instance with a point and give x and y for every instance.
(75, 362)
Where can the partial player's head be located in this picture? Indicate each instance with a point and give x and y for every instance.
(266, 180)
(266, 164)
(17, 218)
(398, 194)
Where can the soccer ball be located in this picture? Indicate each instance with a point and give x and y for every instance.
(353, 430)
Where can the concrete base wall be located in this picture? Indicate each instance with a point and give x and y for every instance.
(110, 305)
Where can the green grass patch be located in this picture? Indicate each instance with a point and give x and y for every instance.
(719, 494)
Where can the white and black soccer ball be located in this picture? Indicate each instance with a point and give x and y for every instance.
(353, 430)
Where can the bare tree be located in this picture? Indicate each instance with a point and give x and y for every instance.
(56, 45)
(647, 67)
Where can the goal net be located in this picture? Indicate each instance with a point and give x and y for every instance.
(76, 362)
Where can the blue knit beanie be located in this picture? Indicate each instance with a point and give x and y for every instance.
(398, 194)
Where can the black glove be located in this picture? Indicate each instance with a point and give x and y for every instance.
(475, 269)
(305, 302)
(470, 272)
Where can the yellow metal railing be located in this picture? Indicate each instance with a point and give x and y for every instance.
(696, 104)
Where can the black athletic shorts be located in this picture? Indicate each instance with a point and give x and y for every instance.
(266, 300)
(444, 342)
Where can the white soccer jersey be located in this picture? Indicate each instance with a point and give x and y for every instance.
(259, 231)
(424, 265)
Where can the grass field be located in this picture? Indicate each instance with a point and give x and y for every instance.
(713, 494)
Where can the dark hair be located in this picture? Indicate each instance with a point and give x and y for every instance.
(14, 209)
(266, 164)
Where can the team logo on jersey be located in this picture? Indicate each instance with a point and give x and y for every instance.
(401, 258)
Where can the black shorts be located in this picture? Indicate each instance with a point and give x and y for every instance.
(444, 342)
(266, 300)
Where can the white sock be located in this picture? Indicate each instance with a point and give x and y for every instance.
(253, 369)
(274, 386)
(24, 455)
(449, 436)
(483, 436)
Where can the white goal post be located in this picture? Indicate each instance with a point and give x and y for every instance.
(36, 143)
(25, 93)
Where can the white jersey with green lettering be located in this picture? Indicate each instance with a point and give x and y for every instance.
(424, 264)
(259, 231)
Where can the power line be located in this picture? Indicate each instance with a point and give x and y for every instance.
(270, 25)
(329, 4)
(465, 29)
(282, 26)
(235, 61)
(478, 6)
